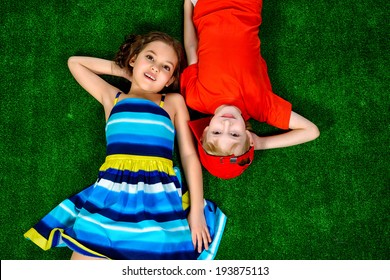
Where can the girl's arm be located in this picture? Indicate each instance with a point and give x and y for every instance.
(302, 130)
(193, 174)
(87, 71)
(190, 37)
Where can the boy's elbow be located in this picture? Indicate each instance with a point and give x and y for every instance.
(314, 132)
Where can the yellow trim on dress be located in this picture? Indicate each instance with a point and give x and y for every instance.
(136, 163)
(46, 244)
(75, 242)
(185, 200)
(116, 100)
(38, 239)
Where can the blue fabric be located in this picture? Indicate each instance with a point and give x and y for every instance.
(134, 210)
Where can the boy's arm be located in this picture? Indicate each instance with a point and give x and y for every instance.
(190, 37)
(301, 130)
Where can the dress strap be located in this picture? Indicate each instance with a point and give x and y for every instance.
(116, 97)
(162, 99)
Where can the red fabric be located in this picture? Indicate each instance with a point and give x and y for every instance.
(230, 68)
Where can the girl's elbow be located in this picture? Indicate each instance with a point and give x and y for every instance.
(72, 61)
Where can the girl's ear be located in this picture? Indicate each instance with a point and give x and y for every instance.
(171, 80)
(132, 61)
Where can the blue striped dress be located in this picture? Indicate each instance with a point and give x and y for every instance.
(138, 206)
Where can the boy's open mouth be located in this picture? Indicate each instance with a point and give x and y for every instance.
(229, 116)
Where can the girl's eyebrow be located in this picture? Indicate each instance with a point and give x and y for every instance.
(169, 62)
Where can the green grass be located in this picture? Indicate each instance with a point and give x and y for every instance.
(327, 199)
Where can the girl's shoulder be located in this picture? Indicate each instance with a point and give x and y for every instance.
(175, 105)
(175, 100)
(174, 97)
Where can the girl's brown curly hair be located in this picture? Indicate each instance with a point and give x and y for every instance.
(134, 44)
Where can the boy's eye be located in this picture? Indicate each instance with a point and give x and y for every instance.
(216, 132)
(149, 57)
(235, 134)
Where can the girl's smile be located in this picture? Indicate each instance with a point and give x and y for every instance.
(150, 76)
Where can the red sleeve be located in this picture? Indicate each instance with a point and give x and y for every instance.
(188, 80)
(277, 112)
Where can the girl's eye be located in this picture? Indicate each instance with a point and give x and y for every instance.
(167, 68)
(216, 132)
(149, 57)
(235, 134)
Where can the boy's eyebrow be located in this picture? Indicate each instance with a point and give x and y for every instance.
(151, 51)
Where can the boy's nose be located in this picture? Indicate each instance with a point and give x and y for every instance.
(226, 123)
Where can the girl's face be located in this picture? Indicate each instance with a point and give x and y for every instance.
(227, 130)
(153, 67)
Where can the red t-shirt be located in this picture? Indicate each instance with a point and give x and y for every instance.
(230, 69)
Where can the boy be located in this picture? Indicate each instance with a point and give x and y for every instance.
(227, 77)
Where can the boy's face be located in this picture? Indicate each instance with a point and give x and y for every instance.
(227, 130)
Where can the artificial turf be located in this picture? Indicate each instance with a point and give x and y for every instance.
(326, 199)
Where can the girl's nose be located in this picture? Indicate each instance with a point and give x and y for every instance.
(154, 68)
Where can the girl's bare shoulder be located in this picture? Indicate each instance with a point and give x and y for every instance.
(174, 97)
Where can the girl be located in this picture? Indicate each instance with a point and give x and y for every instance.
(137, 207)
(227, 78)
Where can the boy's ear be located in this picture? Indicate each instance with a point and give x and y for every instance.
(251, 140)
(204, 133)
